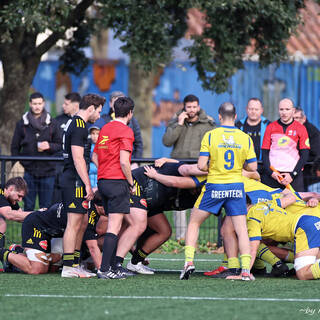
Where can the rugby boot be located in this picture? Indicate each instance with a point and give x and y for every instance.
(279, 269)
(188, 269)
(124, 271)
(227, 273)
(110, 274)
(215, 271)
(139, 268)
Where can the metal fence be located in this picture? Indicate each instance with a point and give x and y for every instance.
(209, 231)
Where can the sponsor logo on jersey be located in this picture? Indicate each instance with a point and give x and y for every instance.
(29, 241)
(43, 244)
(72, 206)
(104, 140)
(85, 204)
(283, 141)
(144, 202)
(226, 194)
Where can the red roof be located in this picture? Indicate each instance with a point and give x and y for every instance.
(306, 40)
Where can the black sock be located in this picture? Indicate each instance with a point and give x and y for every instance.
(68, 259)
(2, 240)
(119, 260)
(109, 251)
(138, 256)
(4, 254)
(76, 259)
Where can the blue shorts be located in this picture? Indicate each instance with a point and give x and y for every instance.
(231, 196)
(307, 234)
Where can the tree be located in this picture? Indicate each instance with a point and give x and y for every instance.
(149, 29)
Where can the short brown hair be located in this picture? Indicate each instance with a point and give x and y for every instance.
(19, 183)
(91, 99)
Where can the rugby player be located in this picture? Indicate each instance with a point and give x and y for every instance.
(268, 220)
(147, 204)
(75, 183)
(38, 230)
(228, 150)
(13, 191)
(259, 192)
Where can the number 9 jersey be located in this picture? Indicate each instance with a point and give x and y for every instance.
(228, 148)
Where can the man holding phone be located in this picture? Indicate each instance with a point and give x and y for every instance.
(185, 132)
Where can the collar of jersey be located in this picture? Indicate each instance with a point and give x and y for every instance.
(229, 127)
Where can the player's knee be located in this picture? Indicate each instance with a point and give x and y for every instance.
(38, 269)
(168, 233)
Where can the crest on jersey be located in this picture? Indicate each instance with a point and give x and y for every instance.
(144, 202)
(85, 204)
(43, 244)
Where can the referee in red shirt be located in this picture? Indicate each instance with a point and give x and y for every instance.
(112, 155)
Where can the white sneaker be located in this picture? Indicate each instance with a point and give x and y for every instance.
(71, 272)
(139, 268)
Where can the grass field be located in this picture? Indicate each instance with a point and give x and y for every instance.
(162, 296)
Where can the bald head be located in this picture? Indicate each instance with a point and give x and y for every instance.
(227, 110)
(286, 110)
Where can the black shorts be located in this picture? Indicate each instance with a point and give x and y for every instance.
(73, 193)
(115, 195)
(139, 200)
(33, 237)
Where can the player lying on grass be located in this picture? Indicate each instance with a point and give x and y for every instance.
(258, 192)
(37, 231)
(10, 194)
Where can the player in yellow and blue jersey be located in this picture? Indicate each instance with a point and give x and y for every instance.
(268, 220)
(224, 152)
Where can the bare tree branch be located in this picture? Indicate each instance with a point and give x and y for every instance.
(75, 16)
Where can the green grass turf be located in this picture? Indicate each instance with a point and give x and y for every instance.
(105, 301)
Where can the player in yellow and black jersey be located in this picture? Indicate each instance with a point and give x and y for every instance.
(268, 220)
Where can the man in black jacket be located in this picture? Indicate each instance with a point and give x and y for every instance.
(314, 140)
(134, 125)
(36, 134)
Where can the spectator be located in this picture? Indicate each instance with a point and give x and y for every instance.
(254, 124)
(314, 139)
(315, 172)
(286, 148)
(37, 134)
(70, 108)
(134, 125)
(93, 134)
(184, 133)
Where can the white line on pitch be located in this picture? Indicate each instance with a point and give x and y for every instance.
(176, 259)
(159, 298)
